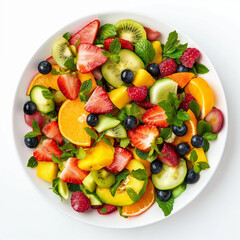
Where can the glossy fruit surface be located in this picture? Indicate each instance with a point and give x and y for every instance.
(51, 130)
(127, 76)
(47, 170)
(37, 116)
(215, 119)
(80, 202)
(130, 122)
(192, 177)
(164, 195)
(153, 69)
(156, 167)
(197, 141)
(92, 120)
(180, 131)
(31, 142)
(29, 108)
(44, 67)
(182, 68)
(183, 148)
(143, 78)
(181, 78)
(171, 158)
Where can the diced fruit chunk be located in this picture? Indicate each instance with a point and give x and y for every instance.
(106, 123)
(158, 52)
(124, 44)
(37, 116)
(201, 155)
(143, 78)
(51, 130)
(103, 178)
(86, 76)
(107, 209)
(47, 170)
(137, 93)
(80, 202)
(89, 183)
(119, 97)
(215, 119)
(182, 78)
(171, 157)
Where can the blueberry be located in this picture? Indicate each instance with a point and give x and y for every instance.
(164, 195)
(156, 167)
(130, 122)
(31, 142)
(197, 141)
(183, 148)
(182, 68)
(153, 69)
(44, 67)
(92, 120)
(179, 131)
(192, 177)
(29, 108)
(127, 76)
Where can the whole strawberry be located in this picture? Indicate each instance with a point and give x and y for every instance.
(79, 202)
(167, 67)
(189, 57)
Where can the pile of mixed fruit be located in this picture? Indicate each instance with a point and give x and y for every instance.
(120, 120)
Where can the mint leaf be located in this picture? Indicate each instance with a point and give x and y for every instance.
(55, 72)
(203, 165)
(194, 106)
(66, 155)
(122, 115)
(132, 194)
(177, 122)
(141, 154)
(166, 133)
(107, 54)
(36, 127)
(70, 63)
(103, 210)
(166, 105)
(183, 115)
(81, 153)
(155, 147)
(167, 206)
(31, 134)
(145, 50)
(55, 186)
(206, 145)
(119, 178)
(74, 187)
(68, 147)
(203, 127)
(82, 98)
(193, 70)
(108, 142)
(105, 31)
(196, 168)
(47, 94)
(86, 86)
(115, 46)
(193, 157)
(210, 136)
(56, 159)
(134, 110)
(182, 47)
(124, 142)
(200, 68)
(159, 140)
(115, 58)
(139, 174)
(32, 162)
(66, 36)
(171, 41)
(91, 133)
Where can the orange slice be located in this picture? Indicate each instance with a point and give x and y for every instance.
(72, 121)
(182, 79)
(143, 204)
(192, 130)
(202, 92)
(48, 80)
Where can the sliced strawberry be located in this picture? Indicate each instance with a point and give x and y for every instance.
(155, 116)
(99, 102)
(51, 60)
(124, 44)
(89, 57)
(171, 157)
(51, 130)
(87, 34)
(69, 85)
(142, 136)
(107, 209)
(72, 173)
(121, 159)
(152, 34)
(145, 104)
(45, 150)
(97, 73)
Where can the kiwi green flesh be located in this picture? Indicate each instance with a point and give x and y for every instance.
(117, 132)
(103, 178)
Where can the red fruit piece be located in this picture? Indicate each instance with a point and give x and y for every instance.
(37, 116)
(97, 73)
(189, 57)
(155, 116)
(121, 159)
(171, 158)
(215, 119)
(69, 85)
(72, 173)
(186, 102)
(124, 44)
(107, 209)
(87, 34)
(137, 93)
(99, 102)
(152, 34)
(167, 67)
(142, 136)
(89, 57)
(51, 60)
(51, 130)
(46, 149)
(145, 104)
(80, 202)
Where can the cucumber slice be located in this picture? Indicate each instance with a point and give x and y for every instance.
(89, 183)
(94, 199)
(106, 123)
(179, 190)
(44, 105)
(63, 189)
(111, 71)
(117, 132)
(170, 177)
(161, 88)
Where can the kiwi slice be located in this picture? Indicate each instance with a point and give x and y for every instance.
(130, 30)
(103, 178)
(117, 132)
(61, 51)
(106, 122)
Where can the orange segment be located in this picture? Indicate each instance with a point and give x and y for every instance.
(72, 121)
(202, 92)
(182, 79)
(143, 204)
(192, 130)
(48, 80)
(84, 77)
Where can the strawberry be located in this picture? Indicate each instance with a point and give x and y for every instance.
(137, 93)
(145, 104)
(51, 60)
(171, 158)
(124, 44)
(51, 130)
(69, 85)
(99, 102)
(152, 34)
(155, 116)
(107, 209)
(72, 173)
(89, 57)
(121, 159)
(46, 149)
(87, 34)
(142, 136)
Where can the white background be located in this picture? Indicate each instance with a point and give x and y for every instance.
(25, 25)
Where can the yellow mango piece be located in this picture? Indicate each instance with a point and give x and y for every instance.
(97, 157)
(201, 155)
(119, 97)
(158, 51)
(47, 170)
(86, 76)
(143, 78)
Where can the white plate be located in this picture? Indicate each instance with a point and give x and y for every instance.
(154, 214)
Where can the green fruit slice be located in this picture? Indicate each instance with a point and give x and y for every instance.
(106, 123)
(94, 199)
(117, 132)
(63, 189)
(161, 88)
(176, 192)
(111, 71)
(103, 178)
(89, 183)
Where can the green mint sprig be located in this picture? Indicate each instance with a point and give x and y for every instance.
(36, 131)
(55, 186)
(103, 210)
(85, 89)
(32, 162)
(114, 50)
(167, 206)
(139, 174)
(166, 133)
(197, 166)
(66, 36)
(47, 94)
(55, 72)
(145, 50)
(70, 64)
(105, 31)
(199, 68)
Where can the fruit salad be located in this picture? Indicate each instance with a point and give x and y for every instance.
(120, 120)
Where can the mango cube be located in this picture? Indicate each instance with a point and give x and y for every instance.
(158, 52)
(143, 78)
(119, 97)
(47, 170)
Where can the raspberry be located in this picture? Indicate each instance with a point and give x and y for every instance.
(186, 102)
(145, 104)
(137, 93)
(168, 67)
(79, 202)
(189, 57)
